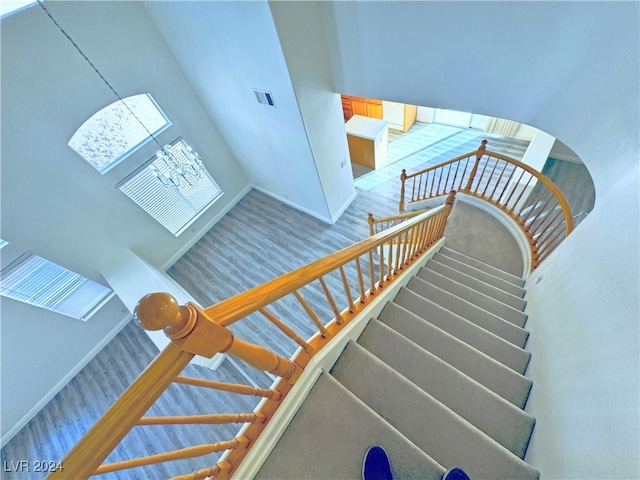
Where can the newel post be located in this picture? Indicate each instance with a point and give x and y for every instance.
(479, 154)
(403, 177)
(189, 328)
(451, 198)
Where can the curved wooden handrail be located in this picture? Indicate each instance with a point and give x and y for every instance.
(478, 173)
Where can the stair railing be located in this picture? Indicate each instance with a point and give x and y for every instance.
(527, 196)
(377, 225)
(368, 267)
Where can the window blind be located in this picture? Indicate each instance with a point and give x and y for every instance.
(40, 282)
(175, 206)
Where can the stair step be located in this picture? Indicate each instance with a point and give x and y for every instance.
(474, 272)
(330, 434)
(501, 420)
(487, 320)
(483, 266)
(448, 438)
(470, 333)
(489, 372)
(478, 285)
(481, 300)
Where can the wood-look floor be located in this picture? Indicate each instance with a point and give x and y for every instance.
(259, 239)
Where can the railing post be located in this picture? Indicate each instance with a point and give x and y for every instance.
(449, 208)
(479, 154)
(194, 332)
(451, 198)
(370, 221)
(403, 177)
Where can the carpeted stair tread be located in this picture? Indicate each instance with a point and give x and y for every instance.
(483, 301)
(487, 320)
(330, 434)
(485, 341)
(510, 426)
(486, 277)
(445, 436)
(505, 297)
(492, 374)
(485, 267)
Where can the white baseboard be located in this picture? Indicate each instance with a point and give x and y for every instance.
(286, 201)
(198, 235)
(66, 379)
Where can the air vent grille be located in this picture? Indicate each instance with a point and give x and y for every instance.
(264, 97)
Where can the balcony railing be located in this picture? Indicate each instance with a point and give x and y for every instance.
(527, 196)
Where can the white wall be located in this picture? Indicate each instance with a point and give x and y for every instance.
(570, 69)
(227, 49)
(57, 205)
(299, 24)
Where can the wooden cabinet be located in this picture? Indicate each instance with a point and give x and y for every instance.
(399, 115)
(347, 107)
(367, 107)
(368, 139)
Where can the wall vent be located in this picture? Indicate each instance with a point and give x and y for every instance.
(264, 96)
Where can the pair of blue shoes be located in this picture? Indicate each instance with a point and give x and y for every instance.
(376, 466)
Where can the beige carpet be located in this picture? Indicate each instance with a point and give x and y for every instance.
(479, 235)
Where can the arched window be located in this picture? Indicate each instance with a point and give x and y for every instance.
(114, 132)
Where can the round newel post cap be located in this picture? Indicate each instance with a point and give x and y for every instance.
(160, 311)
(156, 311)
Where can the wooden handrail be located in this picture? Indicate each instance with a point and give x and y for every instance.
(193, 331)
(477, 180)
(241, 305)
(376, 225)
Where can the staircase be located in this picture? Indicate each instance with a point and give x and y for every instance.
(437, 379)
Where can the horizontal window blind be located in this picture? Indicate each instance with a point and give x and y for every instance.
(40, 282)
(175, 205)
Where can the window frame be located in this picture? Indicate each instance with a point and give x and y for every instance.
(48, 285)
(103, 134)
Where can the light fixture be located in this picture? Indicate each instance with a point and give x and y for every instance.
(176, 163)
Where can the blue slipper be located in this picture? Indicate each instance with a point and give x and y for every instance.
(456, 474)
(376, 465)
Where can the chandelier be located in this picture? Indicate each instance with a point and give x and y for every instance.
(174, 164)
